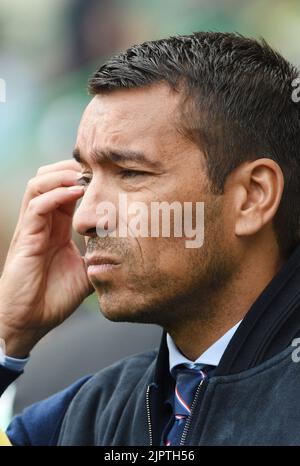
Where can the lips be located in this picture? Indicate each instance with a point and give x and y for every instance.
(100, 260)
(100, 266)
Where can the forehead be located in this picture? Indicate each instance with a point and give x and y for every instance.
(136, 118)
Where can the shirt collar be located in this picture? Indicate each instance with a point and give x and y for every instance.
(211, 356)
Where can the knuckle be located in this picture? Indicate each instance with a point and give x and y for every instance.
(34, 187)
(32, 205)
(42, 170)
(31, 184)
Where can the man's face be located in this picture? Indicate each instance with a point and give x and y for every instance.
(158, 278)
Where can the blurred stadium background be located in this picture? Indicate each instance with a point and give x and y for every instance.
(48, 49)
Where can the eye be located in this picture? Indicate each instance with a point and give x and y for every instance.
(132, 173)
(84, 180)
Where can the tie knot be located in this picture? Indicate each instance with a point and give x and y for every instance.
(187, 380)
(191, 369)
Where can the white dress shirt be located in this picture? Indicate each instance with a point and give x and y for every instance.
(211, 356)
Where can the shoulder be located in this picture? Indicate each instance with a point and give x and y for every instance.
(126, 372)
(40, 423)
(131, 366)
(116, 382)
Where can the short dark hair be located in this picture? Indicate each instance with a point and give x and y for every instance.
(239, 92)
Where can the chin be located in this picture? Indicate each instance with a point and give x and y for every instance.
(126, 310)
(114, 308)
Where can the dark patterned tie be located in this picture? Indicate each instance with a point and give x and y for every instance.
(187, 381)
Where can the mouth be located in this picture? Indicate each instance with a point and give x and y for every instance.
(99, 265)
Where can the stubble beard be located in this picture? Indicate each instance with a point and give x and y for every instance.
(171, 305)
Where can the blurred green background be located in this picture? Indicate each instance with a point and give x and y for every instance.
(48, 49)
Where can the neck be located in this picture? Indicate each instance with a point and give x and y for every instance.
(215, 314)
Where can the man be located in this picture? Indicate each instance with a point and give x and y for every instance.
(202, 118)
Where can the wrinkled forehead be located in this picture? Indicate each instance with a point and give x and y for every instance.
(130, 117)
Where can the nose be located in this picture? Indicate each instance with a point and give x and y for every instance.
(84, 220)
(100, 190)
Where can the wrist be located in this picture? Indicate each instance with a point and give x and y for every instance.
(16, 344)
(13, 364)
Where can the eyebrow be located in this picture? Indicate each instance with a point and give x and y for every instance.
(115, 156)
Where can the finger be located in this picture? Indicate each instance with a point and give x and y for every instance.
(69, 208)
(69, 164)
(35, 217)
(44, 183)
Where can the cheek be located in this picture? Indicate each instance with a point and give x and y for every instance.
(165, 256)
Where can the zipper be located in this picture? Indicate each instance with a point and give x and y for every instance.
(200, 389)
(149, 415)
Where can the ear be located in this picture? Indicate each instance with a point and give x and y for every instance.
(257, 194)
